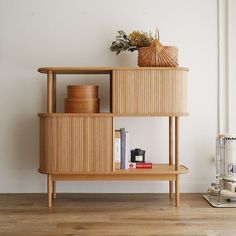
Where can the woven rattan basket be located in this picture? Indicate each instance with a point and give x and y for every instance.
(158, 55)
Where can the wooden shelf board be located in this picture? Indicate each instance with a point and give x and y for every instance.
(157, 169)
(61, 114)
(99, 70)
(102, 114)
(151, 114)
(158, 172)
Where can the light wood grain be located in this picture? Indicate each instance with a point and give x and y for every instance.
(114, 177)
(61, 115)
(82, 99)
(82, 91)
(177, 142)
(171, 152)
(76, 144)
(177, 190)
(100, 70)
(81, 146)
(107, 114)
(54, 95)
(159, 171)
(113, 214)
(50, 190)
(50, 92)
(54, 194)
(150, 91)
(82, 105)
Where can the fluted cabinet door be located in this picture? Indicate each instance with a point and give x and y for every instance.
(150, 91)
(76, 144)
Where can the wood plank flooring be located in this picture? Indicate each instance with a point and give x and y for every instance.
(113, 214)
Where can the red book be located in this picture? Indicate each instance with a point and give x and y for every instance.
(140, 165)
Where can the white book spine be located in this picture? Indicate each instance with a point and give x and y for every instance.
(127, 151)
(117, 149)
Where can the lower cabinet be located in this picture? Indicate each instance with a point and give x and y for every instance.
(76, 144)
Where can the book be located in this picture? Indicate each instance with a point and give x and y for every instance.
(123, 140)
(127, 150)
(140, 165)
(117, 149)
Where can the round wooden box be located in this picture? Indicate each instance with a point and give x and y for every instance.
(82, 105)
(82, 91)
(82, 99)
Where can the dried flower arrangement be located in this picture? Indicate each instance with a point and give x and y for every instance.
(150, 50)
(131, 42)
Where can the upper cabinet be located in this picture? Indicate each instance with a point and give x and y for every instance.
(150, 91)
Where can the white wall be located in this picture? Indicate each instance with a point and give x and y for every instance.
(232, 67)
(78, 33)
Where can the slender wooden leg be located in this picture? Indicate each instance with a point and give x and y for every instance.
(50, 92)
(171, 152)
(177, 160)
(54, 102)
(54, 194)
(177, 191)
(177, 143)
(49, 190)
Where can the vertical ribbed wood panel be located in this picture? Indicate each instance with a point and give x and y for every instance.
(150, 91)
(76, 144)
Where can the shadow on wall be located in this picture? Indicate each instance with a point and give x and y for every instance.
(127, 59)
(25, 142)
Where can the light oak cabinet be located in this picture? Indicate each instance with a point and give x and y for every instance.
(72, 144)
(150, 91)
(81, 146)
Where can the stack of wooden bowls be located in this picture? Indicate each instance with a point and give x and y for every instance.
(82, 99)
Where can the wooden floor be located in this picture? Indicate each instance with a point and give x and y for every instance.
(113, 214)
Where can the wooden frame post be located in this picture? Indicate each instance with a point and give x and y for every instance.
(171, 151)
(54, 96)
(177, 144)
(49, 91)
(177, 136)
(111, 93)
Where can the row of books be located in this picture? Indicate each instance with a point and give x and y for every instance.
(123, 152)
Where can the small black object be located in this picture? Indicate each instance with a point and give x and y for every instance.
(137, 155)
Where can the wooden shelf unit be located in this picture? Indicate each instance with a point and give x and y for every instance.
(81, 146)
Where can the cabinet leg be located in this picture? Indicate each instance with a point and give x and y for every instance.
(171, 152)
(54, 194)
(177, 191)
(49, 190)
(171, 187)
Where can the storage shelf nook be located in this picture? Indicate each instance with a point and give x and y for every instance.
(80, 146)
